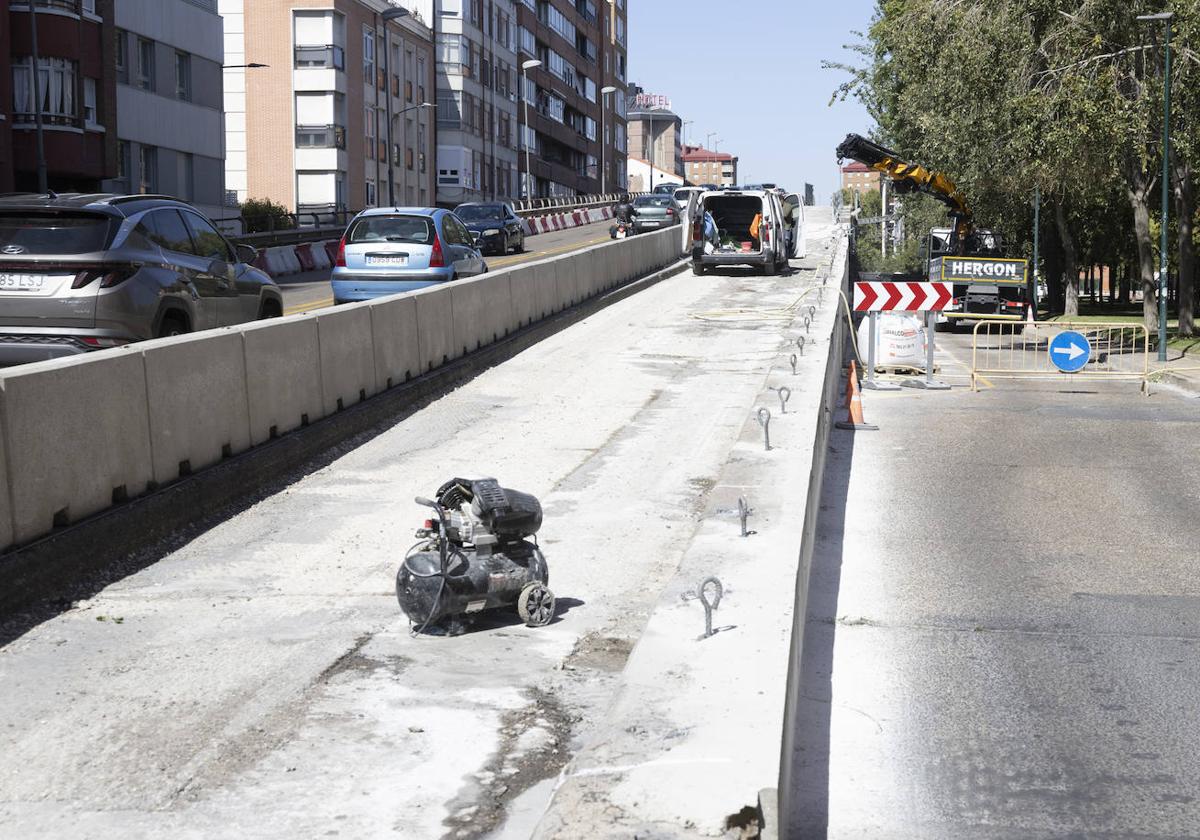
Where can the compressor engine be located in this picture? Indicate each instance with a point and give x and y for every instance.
(479, 553)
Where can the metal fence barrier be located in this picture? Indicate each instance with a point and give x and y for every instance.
(1016, 350)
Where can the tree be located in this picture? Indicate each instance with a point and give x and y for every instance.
(263, 214)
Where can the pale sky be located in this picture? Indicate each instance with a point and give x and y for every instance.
(751, 72)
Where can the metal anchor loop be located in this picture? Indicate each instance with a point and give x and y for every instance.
(710, 607)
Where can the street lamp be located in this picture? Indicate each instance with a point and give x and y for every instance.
(683, 127)
(526, 66)
(708, 138)
(604, 92)
(389, 15)
(1166, 18)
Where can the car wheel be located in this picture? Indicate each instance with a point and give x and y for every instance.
(172, 325)
(270, 309)
(698, 269)
(504, 246)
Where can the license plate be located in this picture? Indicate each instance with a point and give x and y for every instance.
(620, 234)
(399, 260)
(650, 224)
(21, 282)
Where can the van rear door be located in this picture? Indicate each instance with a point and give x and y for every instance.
(793, 208)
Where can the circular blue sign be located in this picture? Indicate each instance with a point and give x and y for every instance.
(1070, 351)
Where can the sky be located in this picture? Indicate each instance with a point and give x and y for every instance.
(751, 72)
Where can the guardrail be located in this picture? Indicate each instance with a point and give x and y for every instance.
(328, 221)
(1019, 350)
(82, 434)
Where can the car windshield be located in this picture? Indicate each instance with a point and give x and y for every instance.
(414, 230)
(39, 234)
(652, 201)
(480, 212)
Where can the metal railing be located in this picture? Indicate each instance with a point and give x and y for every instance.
(328, 55)
(1016, 350)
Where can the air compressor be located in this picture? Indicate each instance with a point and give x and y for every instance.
(478, 554)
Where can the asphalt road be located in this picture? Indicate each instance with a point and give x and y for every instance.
(1003, 617)
(310, 290)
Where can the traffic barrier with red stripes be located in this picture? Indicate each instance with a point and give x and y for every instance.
(881, 296)
(305, 256)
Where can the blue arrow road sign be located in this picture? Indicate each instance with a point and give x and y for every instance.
(1070, 351)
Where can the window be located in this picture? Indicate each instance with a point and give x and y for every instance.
(89, 6)
(183, 76)
(166, 229)
(56, 82)
(209, 243)
(368, 45)
(370, 193)
(528, 42)
(122, 57)
(321, 56)
(123, 166)
(449, 109)
(369, 132)
(147, 169)
(559, 23)
(145, 64)
(454, 50)
(89, 102)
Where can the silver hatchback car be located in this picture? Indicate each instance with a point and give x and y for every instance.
(84, 272)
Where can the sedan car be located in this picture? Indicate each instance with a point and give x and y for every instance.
(83, 272)
(388, 250)
(654, 211)
(495, 226)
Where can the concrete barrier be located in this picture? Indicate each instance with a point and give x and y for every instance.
(305, 255)
(347, 356)
(283, 375)
(77, 438)
(394, 334)
(320, 256)
(182, 389)
(83, 433)
(435, 326)
(482, 311)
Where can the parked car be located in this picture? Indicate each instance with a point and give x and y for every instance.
(84, 272)
(388, 250)
(496, 227)
(654, 211)
(683, 194)
(752, 229)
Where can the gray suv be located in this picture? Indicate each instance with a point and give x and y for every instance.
(84, 272)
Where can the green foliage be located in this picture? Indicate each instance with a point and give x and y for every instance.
(1010, 96)
(263, 214)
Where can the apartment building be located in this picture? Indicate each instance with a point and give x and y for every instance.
(75, 50)
(861, 178)
(169, 139)
(575, 139)
(315, 88)
(703, 166)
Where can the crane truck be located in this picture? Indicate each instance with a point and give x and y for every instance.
(986, 283)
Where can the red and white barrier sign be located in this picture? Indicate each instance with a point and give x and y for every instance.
(902, 297)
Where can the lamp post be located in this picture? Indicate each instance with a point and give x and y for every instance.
(389, 15)
(708, 138)
(39, 144)
(526, 66)
(1166, 18)
(604, 92)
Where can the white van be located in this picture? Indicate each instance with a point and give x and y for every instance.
(734, 212)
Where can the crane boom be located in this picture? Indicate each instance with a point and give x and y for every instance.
(910, 177)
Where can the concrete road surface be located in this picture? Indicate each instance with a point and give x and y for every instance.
(310, 290)
(1004, 617)
(261, 682)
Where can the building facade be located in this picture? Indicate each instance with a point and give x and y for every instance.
(655, 131)
(76, 85)
(860, 178)
(575, 139)
(702, 166)
(169, 92)
(477, 79)
(308, 126)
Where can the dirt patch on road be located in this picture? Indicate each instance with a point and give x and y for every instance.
(534, 745)
(598, 653)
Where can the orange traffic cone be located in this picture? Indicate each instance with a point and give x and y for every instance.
(854, 414)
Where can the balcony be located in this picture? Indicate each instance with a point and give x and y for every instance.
(320, 137)
(48, 120)
(329, 56)
(70, 6)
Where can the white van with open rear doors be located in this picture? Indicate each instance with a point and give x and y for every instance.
(766, 247)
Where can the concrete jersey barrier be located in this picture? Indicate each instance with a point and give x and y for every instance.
(83, 433)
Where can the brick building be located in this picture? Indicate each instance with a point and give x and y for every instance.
(309, 129)
(75, 46)
(701, 166)
(576, 136)
(860, 178)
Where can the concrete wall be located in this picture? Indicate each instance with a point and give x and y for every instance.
(85, 433)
